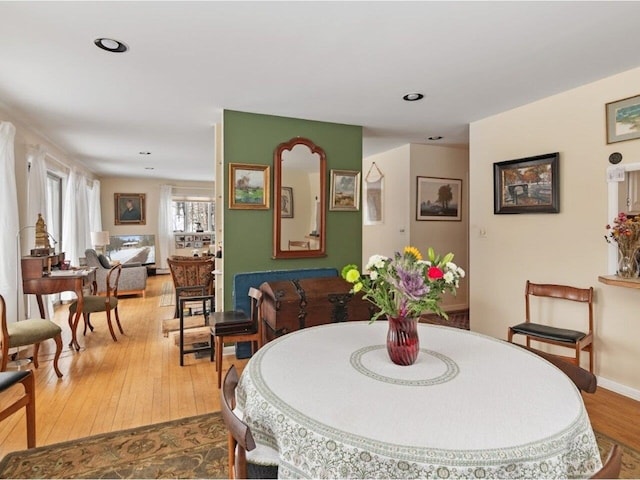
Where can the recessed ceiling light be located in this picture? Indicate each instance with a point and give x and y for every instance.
(149, 168)
(413, 97)
(144, 153)
(110, 45)
(435, 137)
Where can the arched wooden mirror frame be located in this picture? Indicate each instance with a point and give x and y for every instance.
(278, 252)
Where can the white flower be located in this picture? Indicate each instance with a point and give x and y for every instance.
(448, 277)
(373, 274)
(376, 261)
(460, 272)
(452, 266)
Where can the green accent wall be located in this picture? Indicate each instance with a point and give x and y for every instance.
(248, 234)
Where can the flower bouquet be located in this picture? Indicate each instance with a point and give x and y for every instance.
(625, 232)
(402, 288)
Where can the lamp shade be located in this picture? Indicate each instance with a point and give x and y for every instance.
(100, 239)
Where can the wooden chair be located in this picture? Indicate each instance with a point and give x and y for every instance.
(583, 379)
(239, 328)
(574, 339)
(31, 331)
(612, 465)
(28, 400)
(99, 303)
(299, 244)
(192, 277)
(240, 439)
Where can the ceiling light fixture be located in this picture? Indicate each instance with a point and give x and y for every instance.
(413, 97)
(149, 168)
(144, 153)
(110, 45)
(435, 137)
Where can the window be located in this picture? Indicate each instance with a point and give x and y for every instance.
(54, 206)
(193, 216)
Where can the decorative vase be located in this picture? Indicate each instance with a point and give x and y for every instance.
(627, 266)
(403, 343)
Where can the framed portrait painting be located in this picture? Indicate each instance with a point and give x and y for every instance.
(248, 186)
(438, 199)
(129, 209)
(527, 185)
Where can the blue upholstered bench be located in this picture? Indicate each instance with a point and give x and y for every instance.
(242, 282)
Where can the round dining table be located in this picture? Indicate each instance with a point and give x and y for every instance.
(327, 402)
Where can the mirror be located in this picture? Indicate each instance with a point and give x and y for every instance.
(299, 199)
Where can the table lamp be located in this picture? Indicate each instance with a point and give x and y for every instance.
(100, 240)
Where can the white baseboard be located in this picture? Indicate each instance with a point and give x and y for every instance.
(619, 388)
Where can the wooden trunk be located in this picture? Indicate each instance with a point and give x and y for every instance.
(289, 305)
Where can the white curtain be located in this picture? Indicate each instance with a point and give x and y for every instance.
(10, 279)
(76, 233)
(165, 227)
(95, 211)
(37, 203)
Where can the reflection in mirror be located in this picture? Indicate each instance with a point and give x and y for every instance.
(299, 181)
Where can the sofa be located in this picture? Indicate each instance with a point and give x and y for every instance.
(133, 279)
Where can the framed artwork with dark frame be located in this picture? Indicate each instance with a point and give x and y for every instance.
(345, 190)
(129, 209)
(286, 202)
(527, 185)
(438, 199)
(248, 186)
(623, 119)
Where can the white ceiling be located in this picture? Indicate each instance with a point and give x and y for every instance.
(342, 62)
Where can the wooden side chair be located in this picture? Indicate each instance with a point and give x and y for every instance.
(99, 303)
(578, 340)
(192, 277)
(299, 245)
(31, 331)
(612, 465)
(28, 400)
(234, 327)
(240, 439)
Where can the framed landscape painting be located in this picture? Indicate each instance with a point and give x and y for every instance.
(345, 190)
(248, 186)
(623, 119)
(527, 185)
(438, 199)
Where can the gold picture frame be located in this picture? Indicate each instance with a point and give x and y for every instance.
(345, 190)
(249, 186)
(129, 209)
(623, 119)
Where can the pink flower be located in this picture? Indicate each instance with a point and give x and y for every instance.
(434, 273)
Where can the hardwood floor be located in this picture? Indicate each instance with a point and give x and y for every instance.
(110, 386)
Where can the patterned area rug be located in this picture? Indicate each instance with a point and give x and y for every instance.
(194, 447)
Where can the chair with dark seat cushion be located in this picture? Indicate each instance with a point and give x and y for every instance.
(240, 439)
(28, 400)
(578, 340)
(31, 331)
(612, 465)
(236, 327)
(99, 303)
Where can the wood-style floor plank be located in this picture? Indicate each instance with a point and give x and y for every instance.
(109, 386)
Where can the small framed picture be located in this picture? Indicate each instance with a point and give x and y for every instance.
(623, 119)
(438, 199)
(248, 186)
(129, 209)
(527, 185)
(345, 190)
(286, 202)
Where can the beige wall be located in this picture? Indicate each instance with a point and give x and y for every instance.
(151, 189)
(565, 248)
(401, 167)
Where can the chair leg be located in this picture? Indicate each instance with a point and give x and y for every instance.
(56, 357)
(5, 356)
(36, 347)
(118, 320)
(113, 334)
(212, 342)
(219, 344)
(30, 392)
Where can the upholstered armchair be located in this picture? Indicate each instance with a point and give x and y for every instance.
(133, 279)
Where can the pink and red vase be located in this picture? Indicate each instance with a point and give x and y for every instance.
(403, 343)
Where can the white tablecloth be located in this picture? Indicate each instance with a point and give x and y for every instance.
(332, 404)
